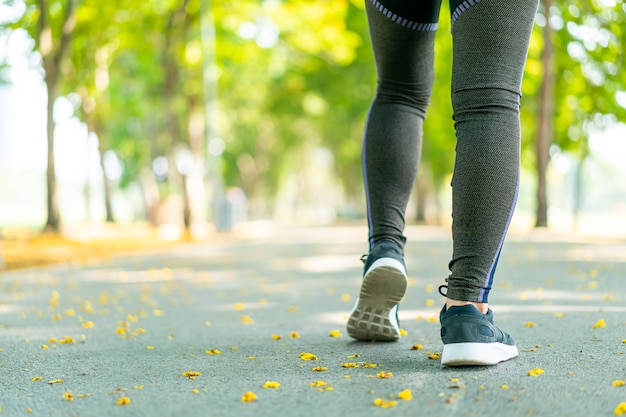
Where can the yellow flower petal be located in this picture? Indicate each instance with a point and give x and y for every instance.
(403, 333)
(599, 324)
(350, 365)
(434, 356)
(384, 404)
(66, 340)
(305, 356)
(246, 319)
(275, 337)
(530, 324)
(248, 397)
(618, 383)
(318, 384)
(213, 352)
(320, 369)
(335, 333)
(620, 409)
(67, 396)
(191, 374)
(405, 395)
(535, 372)
(384, 375)
(294, 335)
(271, 384)
(123, 401)
(417, 346)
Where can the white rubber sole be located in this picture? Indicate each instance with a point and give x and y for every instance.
(374, 314)
(462, 354)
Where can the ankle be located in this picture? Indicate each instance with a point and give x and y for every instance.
(482, 307)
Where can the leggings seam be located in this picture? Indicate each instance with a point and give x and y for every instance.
(426, 27)
(458, 11)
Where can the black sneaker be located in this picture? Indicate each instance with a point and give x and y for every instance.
(375, 314)
(470, 338)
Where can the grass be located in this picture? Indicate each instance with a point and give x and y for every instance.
(21, 248)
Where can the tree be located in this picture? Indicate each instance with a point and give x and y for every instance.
(545, 119)
(51, 25)
(583, 42)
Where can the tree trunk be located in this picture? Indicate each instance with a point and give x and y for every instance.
(422, 196)
(186, 204)
(425, 188)
(53, 222)
(87, 186)
(545, 120)
(53, 54)
(215, 180)
(578, 187)
(107, 188)
(175, 33)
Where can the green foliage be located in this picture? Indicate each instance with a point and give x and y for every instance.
(589, 39)
(293, 75)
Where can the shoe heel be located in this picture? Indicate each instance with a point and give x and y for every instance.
(374, 313)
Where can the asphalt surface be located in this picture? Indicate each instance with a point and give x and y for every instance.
(240, 311)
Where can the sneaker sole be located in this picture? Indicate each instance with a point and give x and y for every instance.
(462, 354)
(374, 314)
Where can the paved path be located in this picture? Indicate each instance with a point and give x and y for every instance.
(136, 324)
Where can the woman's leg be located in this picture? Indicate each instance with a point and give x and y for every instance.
(402, 40)
(403, 49)
(490, 47)
(490, 39)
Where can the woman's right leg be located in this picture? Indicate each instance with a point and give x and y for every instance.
(490, 39)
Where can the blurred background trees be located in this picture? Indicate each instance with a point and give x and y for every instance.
(196, 105)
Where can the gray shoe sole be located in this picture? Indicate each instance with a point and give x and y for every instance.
(374, 314)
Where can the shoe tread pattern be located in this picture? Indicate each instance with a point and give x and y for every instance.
(381, 290)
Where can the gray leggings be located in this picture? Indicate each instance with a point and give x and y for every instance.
(490, 40)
